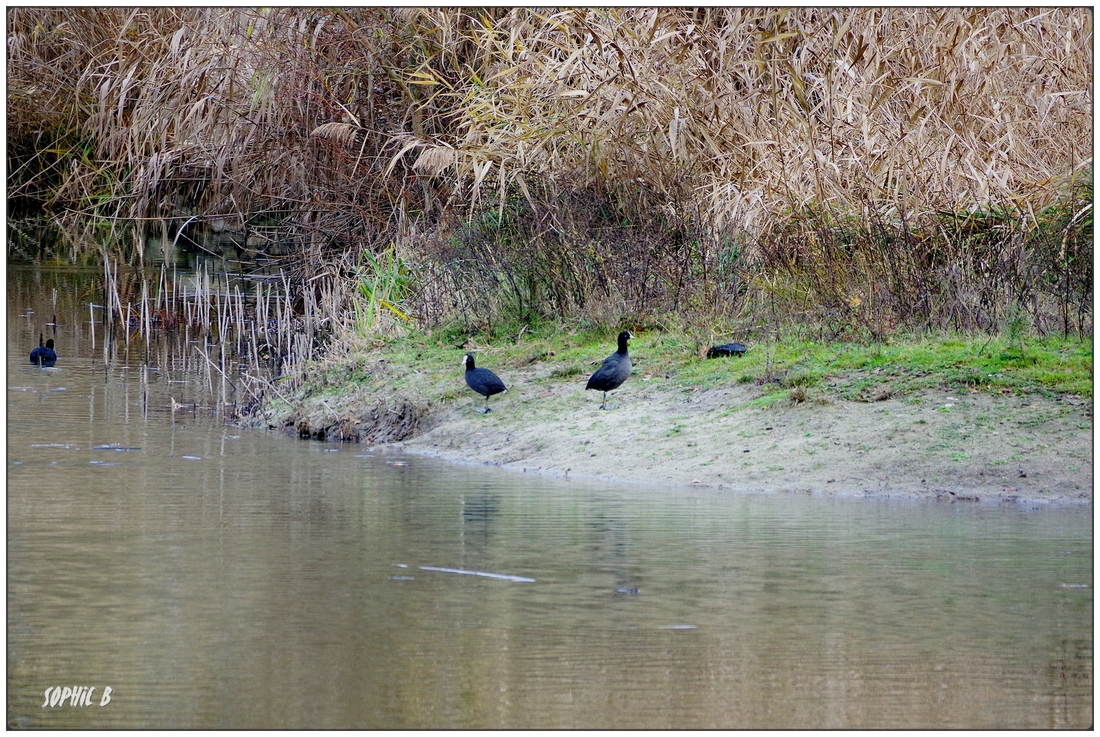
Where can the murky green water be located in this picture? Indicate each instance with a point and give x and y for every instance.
(216, 577)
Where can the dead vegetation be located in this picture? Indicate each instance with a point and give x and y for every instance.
(868, 170)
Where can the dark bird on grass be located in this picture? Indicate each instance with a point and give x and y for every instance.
(614, 370)
(44, 355)
(481, 380)
(726, 349)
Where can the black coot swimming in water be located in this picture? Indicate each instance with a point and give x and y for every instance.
(614, 370)
(483, 381)
(44, 355)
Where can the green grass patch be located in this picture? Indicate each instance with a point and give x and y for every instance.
(1050, 365)
(428, 363)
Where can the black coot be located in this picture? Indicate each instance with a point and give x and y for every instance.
(44, 355)
(614, 370)
(727, 349)
(483, 381)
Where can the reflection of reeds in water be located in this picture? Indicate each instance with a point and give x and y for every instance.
(245, 340)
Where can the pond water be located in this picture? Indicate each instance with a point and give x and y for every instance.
(217, 577)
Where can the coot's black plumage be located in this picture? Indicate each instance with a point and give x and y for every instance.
(727, 349)
(44, 355)
(481, 380)
(614, 370)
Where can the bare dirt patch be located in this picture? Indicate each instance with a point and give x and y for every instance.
(357, 418)
(948, 445)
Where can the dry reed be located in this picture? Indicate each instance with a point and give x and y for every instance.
(831, 161)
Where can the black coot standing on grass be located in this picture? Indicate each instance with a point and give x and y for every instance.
(483, 381)
(614, 370)
(44, 355)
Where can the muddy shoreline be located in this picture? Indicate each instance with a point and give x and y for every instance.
(950, 445)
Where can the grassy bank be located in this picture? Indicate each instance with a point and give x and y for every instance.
(424, 369)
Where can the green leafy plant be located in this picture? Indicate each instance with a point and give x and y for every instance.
(382, 286)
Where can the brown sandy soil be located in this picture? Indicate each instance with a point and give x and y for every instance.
(948, 445)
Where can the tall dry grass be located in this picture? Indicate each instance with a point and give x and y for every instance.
(208, 112)
(885, 167)
(750, 114)
(876, 167)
